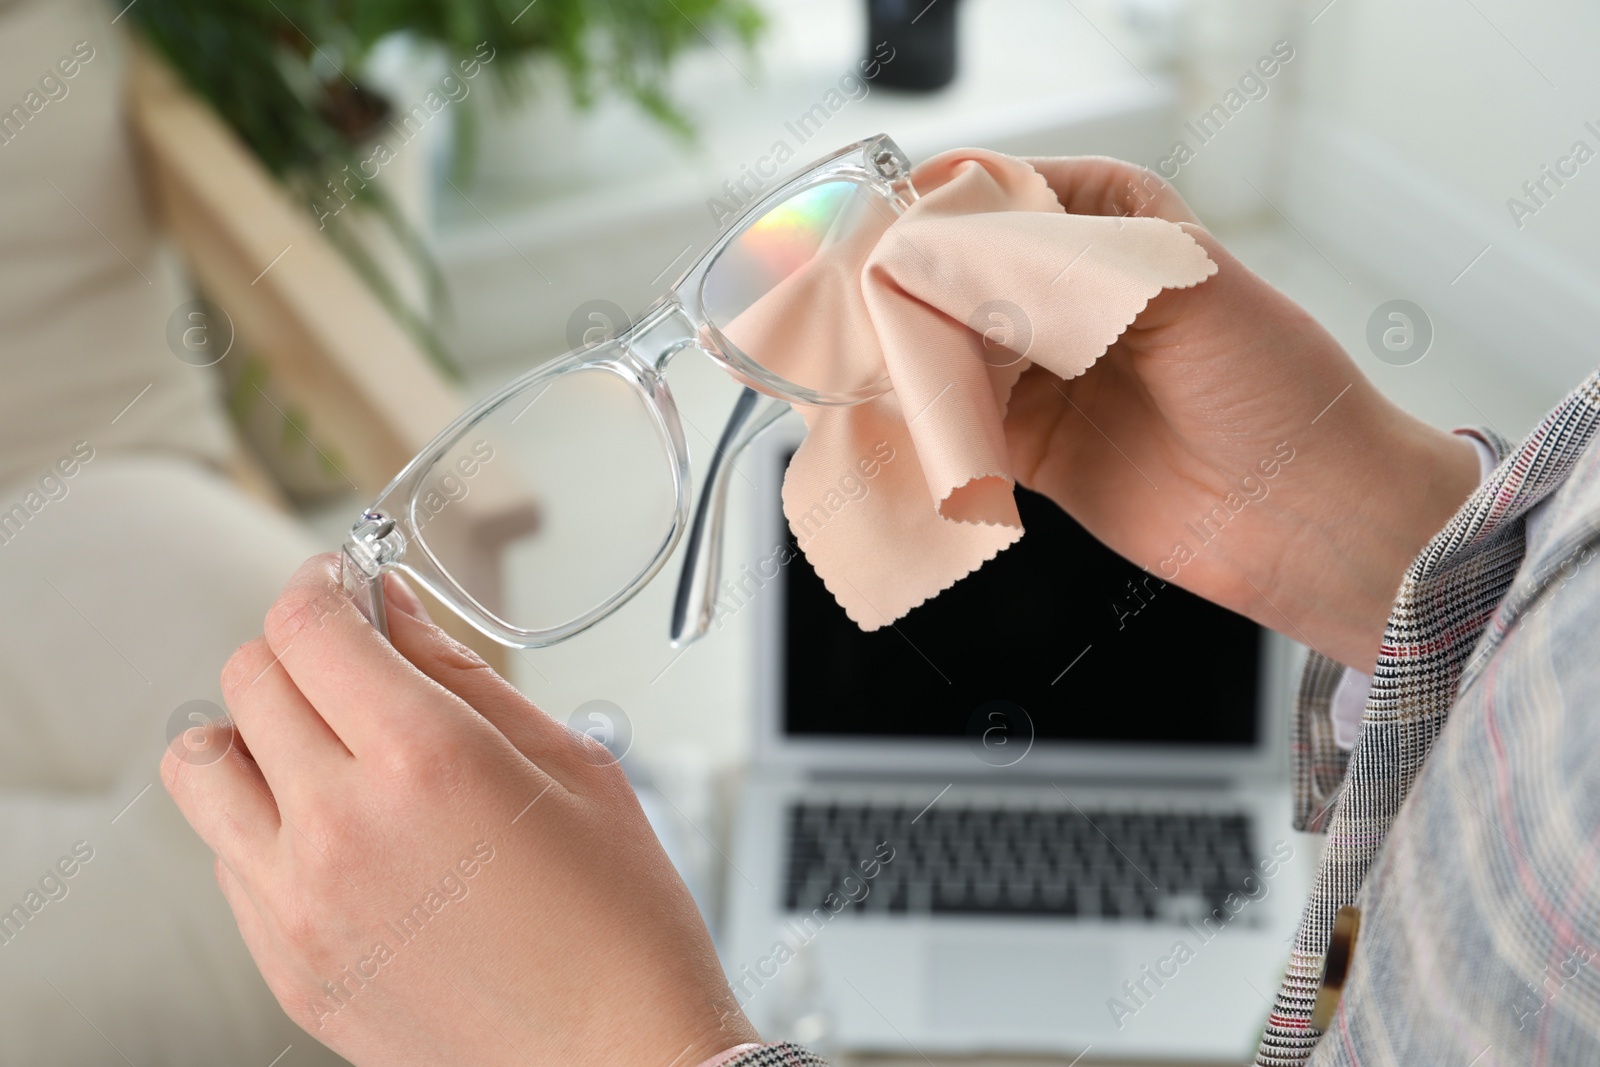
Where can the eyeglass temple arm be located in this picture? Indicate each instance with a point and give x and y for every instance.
(694, 606)
(363, 584)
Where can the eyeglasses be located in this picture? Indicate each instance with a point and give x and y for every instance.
(594, 438)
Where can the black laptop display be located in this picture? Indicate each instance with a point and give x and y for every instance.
(1090, 646)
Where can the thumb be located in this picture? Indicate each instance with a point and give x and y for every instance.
(398, 592)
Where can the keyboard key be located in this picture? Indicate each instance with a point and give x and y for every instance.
(1145, 866)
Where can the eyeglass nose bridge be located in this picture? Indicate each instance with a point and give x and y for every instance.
(676, 322)
(661, 333)
(668, 329)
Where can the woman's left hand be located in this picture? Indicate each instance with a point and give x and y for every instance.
(429, 869)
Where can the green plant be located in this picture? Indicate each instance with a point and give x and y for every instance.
(285, 74)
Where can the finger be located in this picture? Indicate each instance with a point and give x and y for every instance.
(227, 802)
(288, 740)
(1233, 286)
(1100, 185)
(365, 690)
(463, 672)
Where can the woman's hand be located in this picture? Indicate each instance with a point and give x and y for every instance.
(428, 869)
(1228, 444)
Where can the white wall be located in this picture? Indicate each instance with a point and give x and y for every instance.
(1464, 95)
(1418, 120)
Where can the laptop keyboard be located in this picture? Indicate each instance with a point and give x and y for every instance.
(1104, 863)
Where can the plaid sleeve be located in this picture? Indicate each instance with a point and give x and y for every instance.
(779, 1055)
(1317, 763)
(1441, 618)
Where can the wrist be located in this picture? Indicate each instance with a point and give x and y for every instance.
(1384, 486)
(1444, 472)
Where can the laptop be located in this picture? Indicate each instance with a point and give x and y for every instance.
(1045, 812)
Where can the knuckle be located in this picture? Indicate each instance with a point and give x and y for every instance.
(449, 656)
(425, 762)
(299, 924)
(171, 771)
(300, 610)
(244, 666)
(612, 777)
(1139, 191)
(458, 657)
(600, 771)
(232, 833)
(593, 752)
(325, 832)
(468, 664)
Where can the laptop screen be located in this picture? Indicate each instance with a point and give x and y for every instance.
(1090, 647)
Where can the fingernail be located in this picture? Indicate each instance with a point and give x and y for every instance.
(402, 596)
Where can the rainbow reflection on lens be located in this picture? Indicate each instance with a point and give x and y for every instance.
(777, 251)
(785, 238)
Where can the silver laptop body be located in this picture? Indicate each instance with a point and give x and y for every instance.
(949, 895)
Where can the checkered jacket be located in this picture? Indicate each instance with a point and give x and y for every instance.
(1480, 898)
(784, 1055)
(1473, 855)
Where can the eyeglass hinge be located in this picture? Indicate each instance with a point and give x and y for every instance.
(374, 541)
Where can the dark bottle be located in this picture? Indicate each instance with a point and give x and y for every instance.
(923, 36)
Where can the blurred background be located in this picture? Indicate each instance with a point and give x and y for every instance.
(254, 255)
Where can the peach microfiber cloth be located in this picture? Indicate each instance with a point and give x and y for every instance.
(894, 499)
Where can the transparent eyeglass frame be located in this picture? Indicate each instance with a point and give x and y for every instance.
(385, 537)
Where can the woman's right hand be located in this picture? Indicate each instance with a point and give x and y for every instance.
(1227, 443)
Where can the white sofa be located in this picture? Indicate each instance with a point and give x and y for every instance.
(124, 585)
